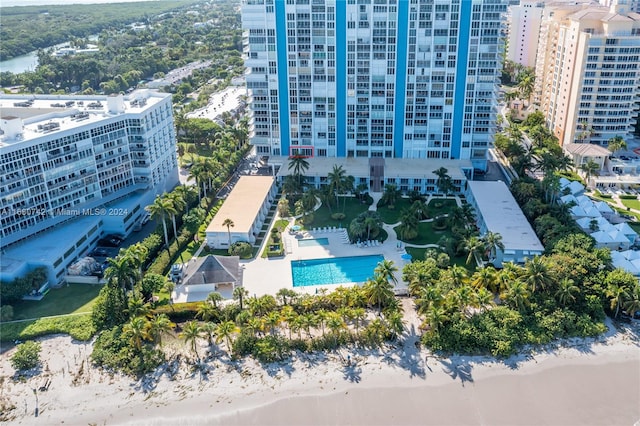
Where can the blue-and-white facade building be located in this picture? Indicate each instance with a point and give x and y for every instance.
(414, 79)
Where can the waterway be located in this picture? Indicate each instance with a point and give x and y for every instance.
(29, 62)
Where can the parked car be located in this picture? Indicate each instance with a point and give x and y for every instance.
(110, 242)
(98, 252)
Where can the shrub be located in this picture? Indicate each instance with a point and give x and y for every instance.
(307, 219)
(628, 197)
(179, 312)
(338, 216)
(242, 249)
(114, 350)
(440, 223)
(27, 356)
(6, 313)
(80, 327)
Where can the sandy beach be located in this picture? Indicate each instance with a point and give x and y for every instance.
(592, 381)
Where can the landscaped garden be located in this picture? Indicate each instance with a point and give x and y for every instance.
(71, 299)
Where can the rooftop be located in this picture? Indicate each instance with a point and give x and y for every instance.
(28, 117)
(243, 204)
(587, 149)
(394, 167)
(212, 270)
(502, 215)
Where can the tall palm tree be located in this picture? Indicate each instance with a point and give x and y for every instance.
(485, 278)
(177, 205)
(484, 299)
(191, 333)
(214, 298)
(299, 165)
(137, 307)
(387, 269)
(273, 320)
(337, 180)
(229, 224)
(121, 272)
(493, 243)
(632, 304)
(619, 295)
(379, 291)
(336, 324)
(537, 274)
(395, 323)
(567, 291)
(225, 331)
(444, 181)
(473, 246)
(590, 168)
(136, 330)
(516, 294)
(616, 144)
(137, 253)
(158, 326)
(390, 195)
(240, 293)
(160, 208)
(187, 194)
(436, 317)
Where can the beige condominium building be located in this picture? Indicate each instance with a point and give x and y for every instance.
(588, 71)
(524, 27)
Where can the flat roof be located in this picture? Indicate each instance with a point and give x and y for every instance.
(503, 215)
(45, 247)
(49, 114)
(243, 204)
(393, 167)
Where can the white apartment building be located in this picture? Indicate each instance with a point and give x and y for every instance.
(374, 78)
(85, 164)
(524, 29)
(588, 71)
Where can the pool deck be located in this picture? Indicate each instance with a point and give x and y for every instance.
(267, 276)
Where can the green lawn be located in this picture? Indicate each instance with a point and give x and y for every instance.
(322, 216)
(426, 234)
(393, 215)
(70, 299)
(633, 204)
(438, 206)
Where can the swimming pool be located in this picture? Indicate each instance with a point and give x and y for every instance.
(309, 242)
(335, 270)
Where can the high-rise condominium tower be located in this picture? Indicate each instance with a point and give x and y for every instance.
(588, 71)
(374, 78)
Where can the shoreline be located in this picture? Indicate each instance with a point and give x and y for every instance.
(592, 381)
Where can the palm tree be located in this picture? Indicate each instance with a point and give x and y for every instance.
(335, 324)
(229, 224)
(137, 254)
(379, 291)
(436, 317)
(337, 179)
(484, 278)
(121, 272)
(177, 205)
(444, 181)
(473, 246)
(136, 330)
(213, 298)
(616, 144)
(186, 193)
(158, 326)
(493, 242)
(484, 299)
(395, 323)
(206, 311)
(191, 333)
(586, 131)
(387, 269)
(590, 168)
(272, 320)
(299, 165)
(240, 293)
(632, 304)
(517, 294)
(160, 208)
(537, 274)
(359, 315)
(619, 295)
(225, 331)
(567, 291)
(137, 307)
(390, 195)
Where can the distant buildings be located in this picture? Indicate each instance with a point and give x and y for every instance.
(588, 71)
(365, 79)
(73, 168)
(524, 28)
